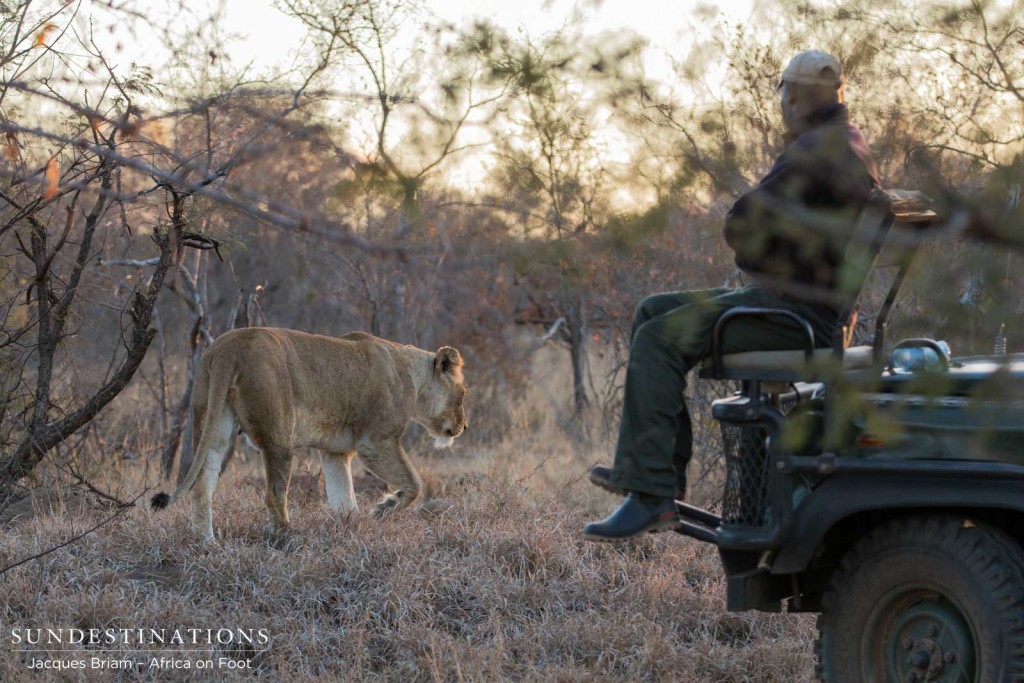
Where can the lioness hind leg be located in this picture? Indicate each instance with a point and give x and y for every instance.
(278, 463)
(338, 479)
(389, 461)
(202, 494)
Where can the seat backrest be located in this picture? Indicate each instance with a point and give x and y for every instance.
(872, 228)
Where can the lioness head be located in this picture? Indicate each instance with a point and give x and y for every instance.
(442, 409)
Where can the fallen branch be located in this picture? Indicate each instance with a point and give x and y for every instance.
(551, 332)
(82, 481)
(107, 520)
(134, 263)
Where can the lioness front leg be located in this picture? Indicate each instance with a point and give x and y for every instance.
(386, 459)
(338, 480)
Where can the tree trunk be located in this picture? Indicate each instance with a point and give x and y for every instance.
(408, 221)
(576, 323)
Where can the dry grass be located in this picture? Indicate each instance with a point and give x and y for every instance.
(489, 582)
(492, 584)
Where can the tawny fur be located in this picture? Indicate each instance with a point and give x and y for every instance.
(287, 389)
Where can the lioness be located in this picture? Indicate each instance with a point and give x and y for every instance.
(286, 389)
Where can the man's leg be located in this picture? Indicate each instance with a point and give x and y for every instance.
(652, 307)
(657, 305)
(649, 308)
(682, 450)
(652, 434)
(662, 351)
(601, 475)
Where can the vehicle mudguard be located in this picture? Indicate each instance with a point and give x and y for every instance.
(841, 496)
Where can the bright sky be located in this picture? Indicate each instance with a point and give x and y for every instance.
(666, 23)
(267, 38)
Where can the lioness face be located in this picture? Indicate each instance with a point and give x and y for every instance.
(444, 398)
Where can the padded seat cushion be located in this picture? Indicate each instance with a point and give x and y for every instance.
(772, 363)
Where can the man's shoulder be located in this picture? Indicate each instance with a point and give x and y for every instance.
(830, 142)
(829, 133)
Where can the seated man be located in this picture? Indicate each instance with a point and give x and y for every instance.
(789, 234)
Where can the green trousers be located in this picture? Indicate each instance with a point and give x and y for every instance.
(672, 334)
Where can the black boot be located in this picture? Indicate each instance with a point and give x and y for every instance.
(637, 515)
(601, 476)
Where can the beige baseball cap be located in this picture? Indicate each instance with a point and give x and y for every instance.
(814, 67)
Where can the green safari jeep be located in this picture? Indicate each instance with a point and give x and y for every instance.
(884, 490)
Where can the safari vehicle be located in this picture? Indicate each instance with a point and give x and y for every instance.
(884, 494)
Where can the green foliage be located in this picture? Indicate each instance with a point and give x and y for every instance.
(629, 230)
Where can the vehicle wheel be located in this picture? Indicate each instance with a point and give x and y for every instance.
(934, 598)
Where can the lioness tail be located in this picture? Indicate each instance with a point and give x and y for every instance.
(219, 377)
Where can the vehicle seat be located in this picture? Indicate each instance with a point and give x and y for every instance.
(884, 209)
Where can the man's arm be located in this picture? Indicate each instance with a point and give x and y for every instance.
(748, 225)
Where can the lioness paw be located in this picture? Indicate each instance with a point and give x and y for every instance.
(386, 505)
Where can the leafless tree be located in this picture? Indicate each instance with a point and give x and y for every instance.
(91, 169)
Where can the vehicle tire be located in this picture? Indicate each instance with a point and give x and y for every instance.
(934, 598)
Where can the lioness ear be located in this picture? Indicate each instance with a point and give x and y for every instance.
(447, 360)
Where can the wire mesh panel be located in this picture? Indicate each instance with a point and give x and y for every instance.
(745, 499)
